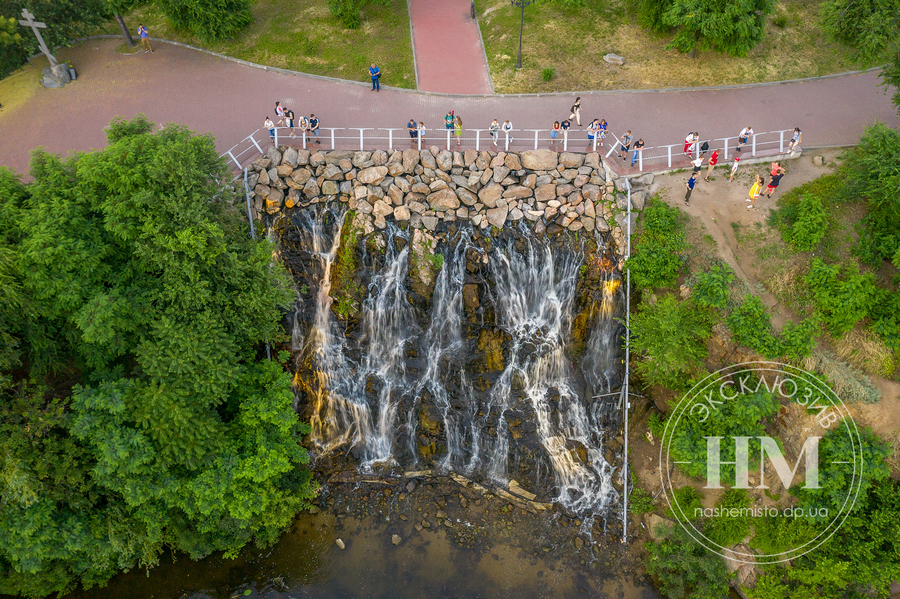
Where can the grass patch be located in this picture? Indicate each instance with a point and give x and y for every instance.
(305, 37)
(16, 89)
(575, 39)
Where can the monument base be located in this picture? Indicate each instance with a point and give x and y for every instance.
(56, 76)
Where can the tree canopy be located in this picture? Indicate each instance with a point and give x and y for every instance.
(135, 411)
(733, 27)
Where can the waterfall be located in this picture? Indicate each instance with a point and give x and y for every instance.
(369, 388)
(534, 293)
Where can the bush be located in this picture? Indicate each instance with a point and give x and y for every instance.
(548, 73)
(210, 20)
(842, 297)
(869, 26)
(711, 289)
(727, 530)
(656, 259)
(873, 172)
(803, 216)
(671, 336)
(685, 569)
(811, 224)
(650, 14)
(750, 326)
(640, 502)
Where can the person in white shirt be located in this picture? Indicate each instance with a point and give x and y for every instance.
(796, 138)
(507, 129)
(268, 124)
(744, 137)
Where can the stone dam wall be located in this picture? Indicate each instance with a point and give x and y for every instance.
(552, 191)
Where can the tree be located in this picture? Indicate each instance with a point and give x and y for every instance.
(890, 76)
(869, 26)
(135, 414)
(118, 7)
(671, 336)
(685, 569)
(210, 20)
(733, 27)
(658, 246)
(65, 19)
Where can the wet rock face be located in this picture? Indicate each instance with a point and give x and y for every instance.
(432, 188)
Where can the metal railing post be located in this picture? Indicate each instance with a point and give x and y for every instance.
(448, 138)
(724, 147)
(332, 139)
(236, 161)
(390, 139)
(361, 142)
(536, 132)
(594, 149)
(249, 209)
(276, 138)
(477, 140)
(419, 139)
(303, 135)
(566, 140)
(669, 151)
(641, 161)
(781, 142)
(253, 139)
(626, 402)
(753, 146)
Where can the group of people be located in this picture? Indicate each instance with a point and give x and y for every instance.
(307, 126)
(453, 122)
(756, 190)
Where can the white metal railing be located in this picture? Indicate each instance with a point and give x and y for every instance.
(361, 138)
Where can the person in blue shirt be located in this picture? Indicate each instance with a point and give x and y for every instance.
(145, 38)
(690, 189)
(375, 74)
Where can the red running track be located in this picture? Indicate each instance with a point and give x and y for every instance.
(448, 49)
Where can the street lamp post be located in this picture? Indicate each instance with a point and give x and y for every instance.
(521, 4)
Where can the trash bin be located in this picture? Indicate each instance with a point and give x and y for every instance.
(72, 73)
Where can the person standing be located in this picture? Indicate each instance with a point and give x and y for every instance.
(289, 120)
(313, 127)
(421, 131)
(689, 142)
(638, 148)
(268, 124)
(507, 129)
(713, 161)
(690, 189)
(449, 120)
(303, 125)
(576, 111)
(554, 133)
(145, 38)
(602, 129)
(697, 162)
(593, 126)
(279, 113)
(375, 74)
(744, 136)
(737, 159)
(755, 190)
(626, 143)
(457, 128)
(413, 130)
(796, 138)
(773, 183)
(494, 129)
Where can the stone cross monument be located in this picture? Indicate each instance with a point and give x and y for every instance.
(56, 75)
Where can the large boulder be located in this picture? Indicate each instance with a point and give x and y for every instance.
(311, 189)
(274, 155)
(444, 160)
(497, 216)
(410, 160)
(490, 194)
(290, 157)
(517, 192)
(443, 200)
(329, 188)
(571, 160)
(372, 175)
(539, 160)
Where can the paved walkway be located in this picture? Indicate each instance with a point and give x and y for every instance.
(229, 100)
(447, 44)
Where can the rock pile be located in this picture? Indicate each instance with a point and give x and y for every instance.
(554, 191)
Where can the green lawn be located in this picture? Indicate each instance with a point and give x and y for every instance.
(306, 37)
(574, 41)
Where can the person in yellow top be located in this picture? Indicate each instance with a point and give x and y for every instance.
(755, 190)
(457, 128)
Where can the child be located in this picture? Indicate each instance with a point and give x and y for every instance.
(713, 161)
(737, 159)
(690, 189)
(755, 190)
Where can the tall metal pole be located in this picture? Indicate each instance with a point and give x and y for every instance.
(521, 4)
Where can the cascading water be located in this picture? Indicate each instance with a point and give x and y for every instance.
(534, 293)
(364, 380)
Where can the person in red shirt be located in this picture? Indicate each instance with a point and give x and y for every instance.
(773, 184)
(713, 161)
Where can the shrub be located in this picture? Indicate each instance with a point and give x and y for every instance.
(671, 335)
(727, 530)
(548, 73)
(210, 20)
(685, 569)
(640, 502)
(811, 224)
(869, 26)
(711, 289)
(650, 14)
(750, 326)
(656, 259)
(842, 296)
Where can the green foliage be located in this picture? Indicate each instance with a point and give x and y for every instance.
(548, 73)
(689, 502)
(120, 128)
(129, 274)
(750, 325)
(744, 416)
(869, 26)
(65, 19)
(347, 12)
(210, 20)
(711, 288)
(873, 173)
(841, 296)
(640, 502)
(656, 259)
(671, 336)
(811, 224)
(890, 76)
(725, 529)
(651, 12)
(836, 470)
(734, 27)
(685, 569)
